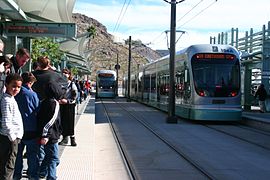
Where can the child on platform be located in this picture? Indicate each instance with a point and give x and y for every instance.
(11, 126)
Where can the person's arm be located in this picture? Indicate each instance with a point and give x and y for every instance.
(45, 131)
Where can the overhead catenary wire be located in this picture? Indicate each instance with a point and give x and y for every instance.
(197, 14)
(189, 11)
(152, 42)
(122, 17)
(155, 39)
(116, 24)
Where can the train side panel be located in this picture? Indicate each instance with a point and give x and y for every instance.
(207, 83)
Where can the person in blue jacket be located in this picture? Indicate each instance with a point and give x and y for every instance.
(28, 103)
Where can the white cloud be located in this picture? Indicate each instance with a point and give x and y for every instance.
(209, 18)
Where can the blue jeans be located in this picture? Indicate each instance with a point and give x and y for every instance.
(32, 151)
(50, 161)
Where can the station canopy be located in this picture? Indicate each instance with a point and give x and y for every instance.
(78, 52)
(58, 11)
(9, 9)
(53, 10)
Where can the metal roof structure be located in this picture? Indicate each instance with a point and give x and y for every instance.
(10, 10)
(53, 10)
(77, 50)
(58, 11)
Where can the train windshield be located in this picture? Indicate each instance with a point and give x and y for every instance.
(216, 75)
(106, 81)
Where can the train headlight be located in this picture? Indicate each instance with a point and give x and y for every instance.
(201, 93)
(101, 87)
(110, 87)
(233, 93)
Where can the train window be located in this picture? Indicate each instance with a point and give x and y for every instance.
(106, 75)
(216, 78)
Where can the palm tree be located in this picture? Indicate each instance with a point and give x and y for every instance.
(92, 34)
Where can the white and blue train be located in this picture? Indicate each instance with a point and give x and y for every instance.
(105, 83)
(207, 83)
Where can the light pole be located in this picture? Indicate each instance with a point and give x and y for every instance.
(117, 67)
(129, 64)
(171, 108)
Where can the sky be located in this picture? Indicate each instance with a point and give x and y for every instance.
(147, 20)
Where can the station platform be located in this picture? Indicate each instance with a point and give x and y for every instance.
(96, 155)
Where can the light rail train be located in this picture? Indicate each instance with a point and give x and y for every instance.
(207, 83)
(106, 83)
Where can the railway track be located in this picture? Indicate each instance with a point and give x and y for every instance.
(246, 134)
(177, 150)
(207, 148)
(125, 159)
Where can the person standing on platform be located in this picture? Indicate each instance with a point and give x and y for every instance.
(11, 126)
(5, 65)
(262, 94)
(49, 128)
(28, 103)
(21, 58)
(67, 110)
(44, 74)
(1, 47)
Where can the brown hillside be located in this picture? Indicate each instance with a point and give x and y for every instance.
(104, 50)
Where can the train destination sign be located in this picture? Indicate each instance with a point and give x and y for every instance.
(37, 29)
(215, 56)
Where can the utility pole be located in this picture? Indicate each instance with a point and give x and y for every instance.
(117, 68)
(171, 108)
(129, 61)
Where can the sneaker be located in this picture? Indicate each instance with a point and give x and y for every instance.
(64, 141)
(41, 177)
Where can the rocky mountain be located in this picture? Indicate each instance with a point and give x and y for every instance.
(104, 51)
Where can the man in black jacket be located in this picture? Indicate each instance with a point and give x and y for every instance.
(45, 74)
(262, 94)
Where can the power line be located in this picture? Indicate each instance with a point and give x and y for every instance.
(123, 15)
(155, 39)
(119, 16)
(196, 14)
(151, 42)
(189, 11)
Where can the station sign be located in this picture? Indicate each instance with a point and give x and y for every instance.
(39, 29)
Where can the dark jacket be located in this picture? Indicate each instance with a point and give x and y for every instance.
(43, 78)
(261, 92)
(49, 122)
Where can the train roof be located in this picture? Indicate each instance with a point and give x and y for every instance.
(204, 48)
(199, 48)
(106, 71)
(215, 48)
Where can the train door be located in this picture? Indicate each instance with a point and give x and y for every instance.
(187, 87)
